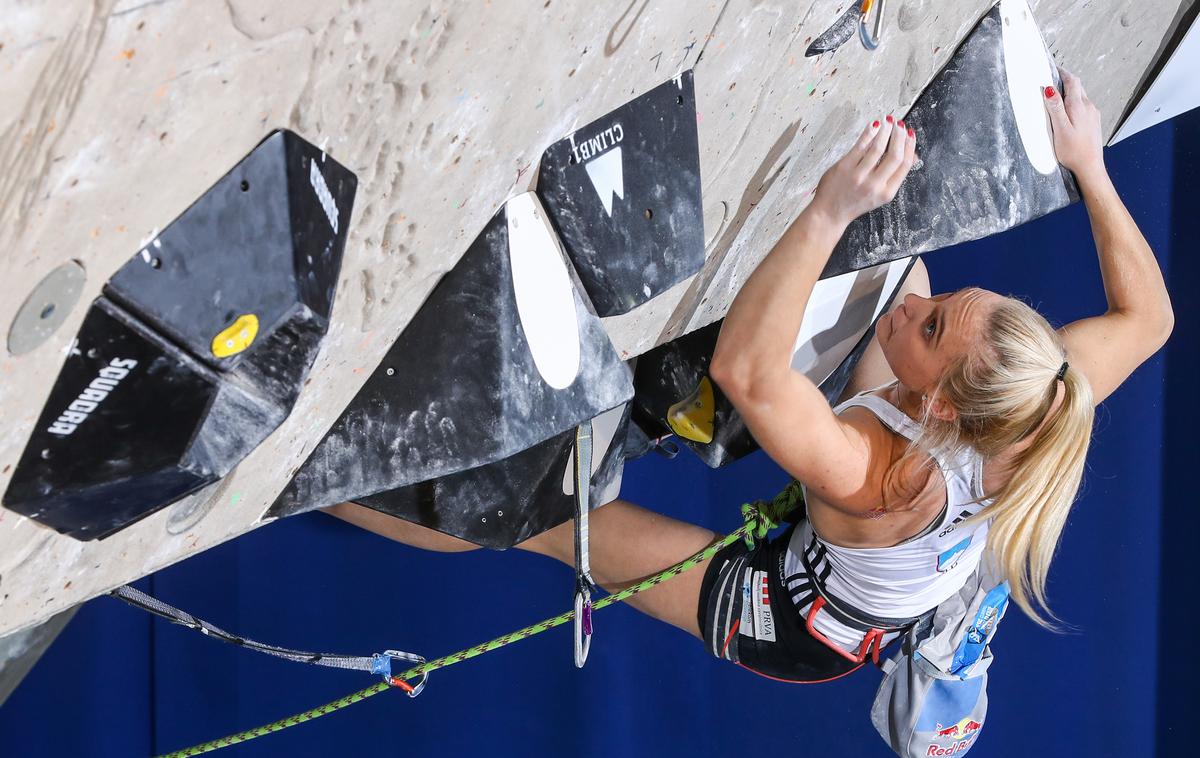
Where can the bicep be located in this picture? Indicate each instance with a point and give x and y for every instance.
(794, 425)
(1106, 349)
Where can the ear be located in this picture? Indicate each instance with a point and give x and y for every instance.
(942, 410)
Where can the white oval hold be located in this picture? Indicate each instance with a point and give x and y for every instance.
(1027, 66)
(545, 295)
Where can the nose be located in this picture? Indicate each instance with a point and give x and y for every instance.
(913, 304)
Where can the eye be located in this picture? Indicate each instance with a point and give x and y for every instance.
(930, 328)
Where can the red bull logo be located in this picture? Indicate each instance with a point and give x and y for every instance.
(962, 734)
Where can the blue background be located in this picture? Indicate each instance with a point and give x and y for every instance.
(1119, 683)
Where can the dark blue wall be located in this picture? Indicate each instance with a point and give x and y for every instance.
(118, 683)
(1180, 545)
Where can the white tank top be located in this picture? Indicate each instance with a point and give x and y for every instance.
(905, 580)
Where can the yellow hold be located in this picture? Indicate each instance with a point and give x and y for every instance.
(692, 417)
(237, 337)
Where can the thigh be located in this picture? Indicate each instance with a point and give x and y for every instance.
(398, 529)
(628, 543)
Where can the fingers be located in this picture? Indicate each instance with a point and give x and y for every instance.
(870, 174)
(878, 145)
(894, 157)
(865, 139)
(910, 158)
(1073, 88)
(1055, 108)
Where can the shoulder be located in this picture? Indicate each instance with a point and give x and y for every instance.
(857, 488)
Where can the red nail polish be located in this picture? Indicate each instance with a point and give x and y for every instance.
(1049, 93)
(910, 132)
(889, 119)
(900, 123)
(875, 124)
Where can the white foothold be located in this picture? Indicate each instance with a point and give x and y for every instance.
(1027, 69)
(544, 292)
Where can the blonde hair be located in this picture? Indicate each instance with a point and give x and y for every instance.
(1003, 392)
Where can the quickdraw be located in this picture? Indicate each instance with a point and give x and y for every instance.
(583, 569)
(760, 517)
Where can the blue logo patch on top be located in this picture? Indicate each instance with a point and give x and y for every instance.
(950, 558)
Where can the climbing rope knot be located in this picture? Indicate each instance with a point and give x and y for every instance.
(762, 516)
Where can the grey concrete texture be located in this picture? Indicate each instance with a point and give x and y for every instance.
(118, 113)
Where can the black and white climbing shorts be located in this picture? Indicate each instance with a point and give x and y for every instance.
(748, 618)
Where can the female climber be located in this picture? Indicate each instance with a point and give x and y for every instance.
(967, 430)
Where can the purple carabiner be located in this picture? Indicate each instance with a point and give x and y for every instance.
(587, 618)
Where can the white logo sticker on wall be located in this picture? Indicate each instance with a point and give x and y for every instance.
(606, 170)
(608, 177)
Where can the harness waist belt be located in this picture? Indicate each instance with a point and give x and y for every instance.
(850, 616)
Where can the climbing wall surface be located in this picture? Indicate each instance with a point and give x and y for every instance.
(118, 114)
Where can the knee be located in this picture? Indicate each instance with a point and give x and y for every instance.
(917, 281)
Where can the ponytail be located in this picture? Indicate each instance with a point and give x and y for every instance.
(1028, 514)
(1006, 397)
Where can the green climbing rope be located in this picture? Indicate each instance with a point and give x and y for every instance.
(760, 517)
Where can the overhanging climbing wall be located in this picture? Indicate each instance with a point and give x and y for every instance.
(119, 114)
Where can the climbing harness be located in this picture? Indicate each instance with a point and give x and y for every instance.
(870, 39)
(583, 569)
(379, 663)
(760, 517)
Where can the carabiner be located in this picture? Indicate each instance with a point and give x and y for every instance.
(870, 39)
(382, 665)
(583, 567)
(583, 621)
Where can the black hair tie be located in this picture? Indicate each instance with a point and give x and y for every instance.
(1062, 372)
